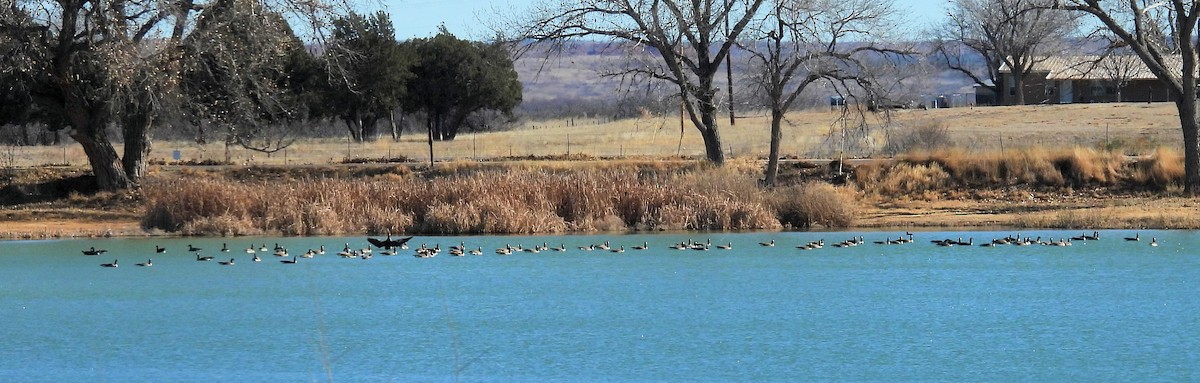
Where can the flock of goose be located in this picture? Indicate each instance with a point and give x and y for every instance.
(389, 247)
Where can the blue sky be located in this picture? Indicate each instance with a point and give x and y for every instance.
(420, 18)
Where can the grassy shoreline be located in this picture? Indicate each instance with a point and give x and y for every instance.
(952, 189)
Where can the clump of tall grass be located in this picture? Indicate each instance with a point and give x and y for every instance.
(814, 203)
(1161, 170)
(465, 200)
(918, 172)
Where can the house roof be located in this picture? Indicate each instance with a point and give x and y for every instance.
(1093, 67)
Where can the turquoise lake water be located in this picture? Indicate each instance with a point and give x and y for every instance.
(1108, 310)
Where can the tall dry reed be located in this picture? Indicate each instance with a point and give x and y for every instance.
(485, 199)
(917, 173)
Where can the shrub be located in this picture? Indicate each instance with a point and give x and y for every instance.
(809, 204)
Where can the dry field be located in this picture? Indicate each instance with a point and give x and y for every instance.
(895, 199)
(1136, 128)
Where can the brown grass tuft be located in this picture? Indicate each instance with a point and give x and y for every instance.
(813, 204)
(1160, 171)
(917, 173)
(463, 199)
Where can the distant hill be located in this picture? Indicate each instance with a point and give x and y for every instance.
(571, 81)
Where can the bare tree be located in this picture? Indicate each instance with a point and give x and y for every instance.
(1013, 33)
(90, 64)
(801, 42)
(689, 38)
(1163, 34)
(1119, 69)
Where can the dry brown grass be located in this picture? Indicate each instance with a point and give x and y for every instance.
(490, 198)
(1162, 170)
(1135, 129)
(916, 174)
(810, 204)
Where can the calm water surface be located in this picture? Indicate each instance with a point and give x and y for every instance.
(1108, 310)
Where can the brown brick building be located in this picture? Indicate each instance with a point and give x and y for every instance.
(1085, 79)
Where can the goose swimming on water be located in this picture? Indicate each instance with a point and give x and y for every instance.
(113, 264)
(159, 250)
(289, 261)
(1136, 237)
(223, 263)
(93, 251)
(148, 263)
(193, 248)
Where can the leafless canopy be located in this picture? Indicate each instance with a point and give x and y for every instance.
(689, 37)
(1164, 35)
(1015, 33)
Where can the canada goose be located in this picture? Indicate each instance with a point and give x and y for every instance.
(263, 247)
(768, 244)
(1094, 237)
(289, 261)
(1136, 237)
(643, 246)
(561, 247)
(230, 263)
(202, 259)
(321, 250)
(727, 246)
(224, 248)
(93, 251)
(308, 254)
(256, 258)
(1154, 241)
(281, 252)
(148, 263)
(193, 248)
(159, 250)
(113, 264)
(477, 251)
(250, 250)
(618, 250)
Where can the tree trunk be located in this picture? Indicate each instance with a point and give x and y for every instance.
(370, 128)
(1019, 83)
(433, 121)
(392, 124)
(708, 117)
(88, 129)
(137, 148)
(1188, 118)
(352, 124)
(110, 174)
(773, 157)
